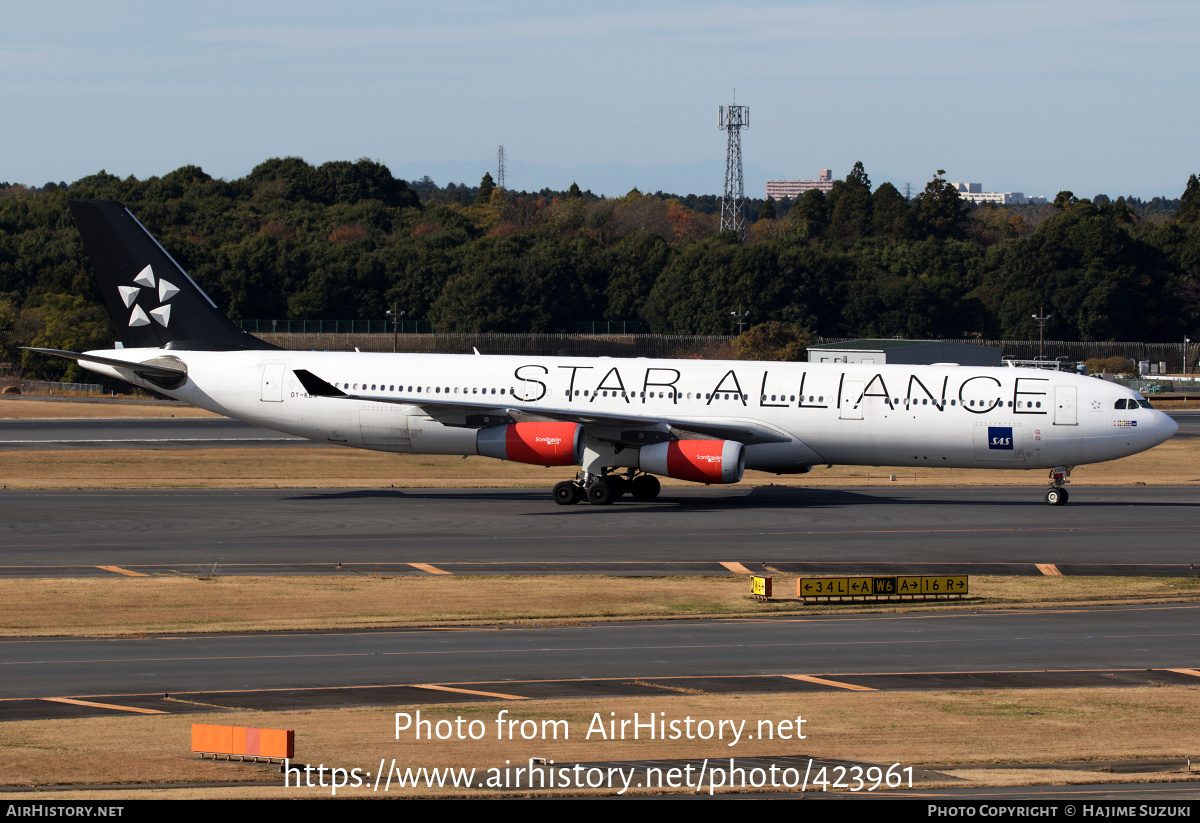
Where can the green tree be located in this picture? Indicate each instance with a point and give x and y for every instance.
(850, 206)
(60, 321)
(1064, 200)
(773, 341)
(810, 214)
(574, 191)
(768, 210)
(289, 178)
(486, 187)
(941, 213)
(858, 176)
(891, 216)
(1189, 204)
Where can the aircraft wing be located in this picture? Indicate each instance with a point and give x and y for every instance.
(631, 429)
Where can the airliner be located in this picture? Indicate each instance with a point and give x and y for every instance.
(623, 422)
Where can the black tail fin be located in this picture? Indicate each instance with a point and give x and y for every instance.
(151, 299)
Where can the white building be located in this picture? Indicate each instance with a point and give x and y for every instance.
(974, 193)
(793, 189)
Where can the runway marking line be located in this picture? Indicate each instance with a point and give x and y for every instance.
(820, 681)
(429, 568)
(119, 570)
(468, 691)
(590, 679)
(736, 568)
(1049, 569)
(101, 705)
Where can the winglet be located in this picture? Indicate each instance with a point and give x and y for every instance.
(316, 386)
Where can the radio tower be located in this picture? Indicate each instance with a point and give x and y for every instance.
(500, 171)
(732, 119)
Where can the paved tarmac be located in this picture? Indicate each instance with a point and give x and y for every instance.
(1054, 647)
(138, 433)
(1103, 530)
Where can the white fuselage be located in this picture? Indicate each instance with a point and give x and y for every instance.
(894, 415)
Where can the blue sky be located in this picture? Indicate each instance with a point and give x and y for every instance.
(1027, 95)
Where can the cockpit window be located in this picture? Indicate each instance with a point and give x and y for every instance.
(1120, 404)
(1144, 403)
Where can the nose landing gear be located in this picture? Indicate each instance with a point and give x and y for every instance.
(1057, 495)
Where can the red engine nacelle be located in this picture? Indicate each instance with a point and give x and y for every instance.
(701, 461)
(542, 444)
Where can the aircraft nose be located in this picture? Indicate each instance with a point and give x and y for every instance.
(1166, 427)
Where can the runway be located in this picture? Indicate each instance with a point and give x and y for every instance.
(1102, 646)
(138, 433)
(1139, 530)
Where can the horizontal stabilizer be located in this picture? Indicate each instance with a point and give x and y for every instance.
(140, 368)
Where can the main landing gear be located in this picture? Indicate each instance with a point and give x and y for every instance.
(1057, 495)
(601, 490)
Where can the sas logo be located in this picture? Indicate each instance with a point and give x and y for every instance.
(1000, 437)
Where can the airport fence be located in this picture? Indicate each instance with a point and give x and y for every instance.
(51, 386)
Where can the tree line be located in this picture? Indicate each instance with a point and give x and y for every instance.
(347, 240)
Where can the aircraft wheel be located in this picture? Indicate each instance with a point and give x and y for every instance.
(1056, 496)
(600, 493)
(619, 485)
(566, 493)
(646, 487)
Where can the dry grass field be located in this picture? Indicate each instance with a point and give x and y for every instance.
(123, 606)
(12, 408)
(951, 732)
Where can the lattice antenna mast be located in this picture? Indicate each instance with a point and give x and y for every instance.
(500, 170)
(732, 119)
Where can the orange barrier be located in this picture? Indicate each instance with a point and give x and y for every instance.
(242, 741)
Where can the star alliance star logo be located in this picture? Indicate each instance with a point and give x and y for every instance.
(129, 295)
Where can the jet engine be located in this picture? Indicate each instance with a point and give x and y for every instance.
(701, 461)
(542, 444)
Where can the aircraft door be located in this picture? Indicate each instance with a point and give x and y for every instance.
(1066, 412)
(272, 383)
(851, 408)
